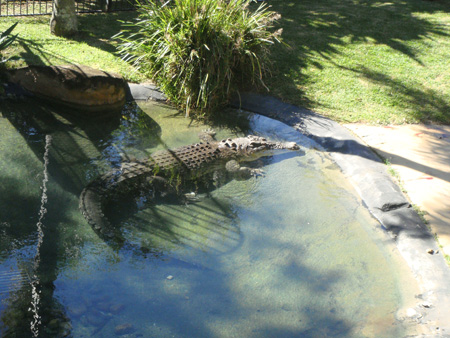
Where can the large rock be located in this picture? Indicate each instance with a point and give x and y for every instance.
(81, 87)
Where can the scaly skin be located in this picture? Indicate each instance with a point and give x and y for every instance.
(185, 163)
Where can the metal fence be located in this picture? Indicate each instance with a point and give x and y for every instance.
(44, 7)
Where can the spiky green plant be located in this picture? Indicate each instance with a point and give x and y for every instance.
(200, 51)
(6, 39)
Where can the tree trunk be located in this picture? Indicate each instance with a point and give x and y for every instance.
(64, 18)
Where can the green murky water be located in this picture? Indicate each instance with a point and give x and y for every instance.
(290, 254)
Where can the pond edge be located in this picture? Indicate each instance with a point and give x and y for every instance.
(383, 198)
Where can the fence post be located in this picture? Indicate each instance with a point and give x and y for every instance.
(106, 5)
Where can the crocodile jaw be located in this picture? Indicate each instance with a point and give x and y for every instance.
(250, 144)
(286, 145)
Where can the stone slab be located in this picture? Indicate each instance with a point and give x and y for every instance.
(144, 92)
(77, 86)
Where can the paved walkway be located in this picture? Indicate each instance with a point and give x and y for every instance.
(421, 156)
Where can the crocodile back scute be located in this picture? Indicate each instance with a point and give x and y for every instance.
(189, 158)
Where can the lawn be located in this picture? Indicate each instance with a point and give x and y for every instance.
(367, 61)
(92, 47)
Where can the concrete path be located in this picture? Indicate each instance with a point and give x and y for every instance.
(420, 154)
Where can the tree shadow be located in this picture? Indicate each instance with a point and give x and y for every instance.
(35, 54)
(315, 29)
(96, 30)
(212, 293)
(429, 104)
(93, 32)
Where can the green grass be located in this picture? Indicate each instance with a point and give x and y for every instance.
(367, 61)
(446, 257)
(395, 175)
(93, 47)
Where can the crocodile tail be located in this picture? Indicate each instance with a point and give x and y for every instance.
(91, 206)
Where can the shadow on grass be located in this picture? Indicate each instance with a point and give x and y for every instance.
(429, 104)
(314, 30)
(35, 53)
(97, 29)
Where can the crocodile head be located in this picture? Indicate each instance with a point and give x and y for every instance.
(245, 146)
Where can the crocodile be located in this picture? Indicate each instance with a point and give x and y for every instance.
(159, 170)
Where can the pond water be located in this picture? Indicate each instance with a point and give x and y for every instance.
(290, 254)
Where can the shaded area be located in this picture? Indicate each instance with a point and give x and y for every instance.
(76, 141)
(35, 53)
(93, 30)
(50, 318)
(17, 249)
(213, 293)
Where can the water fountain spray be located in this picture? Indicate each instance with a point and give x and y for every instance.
(35, 293)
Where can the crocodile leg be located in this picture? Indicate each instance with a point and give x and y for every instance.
(207, 135)
(243, 173)
(161, 186)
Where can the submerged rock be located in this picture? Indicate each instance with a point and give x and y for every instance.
(116, 308)
(97, 319)
(123, 329)
(77, 310)
(80, 87)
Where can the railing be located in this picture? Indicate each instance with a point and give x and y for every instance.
(44, 7)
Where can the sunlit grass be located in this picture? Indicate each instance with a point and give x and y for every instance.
(370, 61)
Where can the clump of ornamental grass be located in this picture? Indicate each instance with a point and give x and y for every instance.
(200, 52)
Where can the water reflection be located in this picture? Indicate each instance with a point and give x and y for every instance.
(30, 308)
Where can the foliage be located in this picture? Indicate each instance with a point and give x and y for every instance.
(200, 51)
(7, 39)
